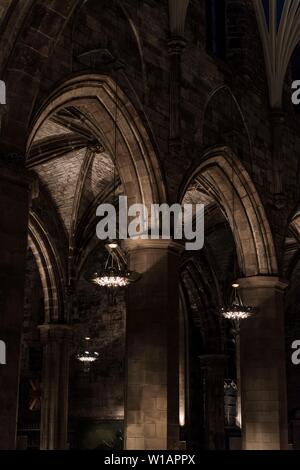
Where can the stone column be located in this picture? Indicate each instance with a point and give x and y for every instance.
(263, 379)
(176, 47)
(152, 346)
(278, 164)
(14, 211)
(238, 377)
(56, 340)
(213, 372)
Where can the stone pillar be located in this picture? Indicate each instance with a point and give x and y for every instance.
(263, 379)
(238, 377)
(56, 340)
(213, 373)
(152, 346)
(14, 209)
(278, 164)
(176, 47)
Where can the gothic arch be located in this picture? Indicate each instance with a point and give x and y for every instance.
(291, 245)
(231, 124)
(49, 268)
(95, 96)
(201, 293)
(220, 176)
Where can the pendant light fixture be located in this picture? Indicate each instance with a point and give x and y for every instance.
(115, 273)
(236, 310)
(86, 356)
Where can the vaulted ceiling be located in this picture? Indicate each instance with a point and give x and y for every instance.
(279, 25)
(72, 166)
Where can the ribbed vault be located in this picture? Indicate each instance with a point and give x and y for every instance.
(222, 178)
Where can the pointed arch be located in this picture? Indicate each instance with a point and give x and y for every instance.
(96, 96)
(51, 273)
(216, 130)
(223, 178)
(291, 246)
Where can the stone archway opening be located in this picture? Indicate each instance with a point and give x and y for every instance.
(97, 98)
(222, 179)
(87, 146)
(238, 243)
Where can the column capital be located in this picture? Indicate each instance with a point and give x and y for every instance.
(131, 245)
(277, 116)
(176, 45)
(56, 333)
(262, 282)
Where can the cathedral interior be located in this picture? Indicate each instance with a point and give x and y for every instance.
(164, 102)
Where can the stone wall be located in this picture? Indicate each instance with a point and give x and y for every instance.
(137, 36)
(223, 102)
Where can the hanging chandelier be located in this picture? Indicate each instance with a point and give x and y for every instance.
(115, 274)
(86, 356)
(236, 310)
(111, 277)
